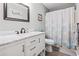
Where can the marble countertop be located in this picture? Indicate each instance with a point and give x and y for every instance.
(6, 39)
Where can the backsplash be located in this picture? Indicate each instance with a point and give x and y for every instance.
(34, 24)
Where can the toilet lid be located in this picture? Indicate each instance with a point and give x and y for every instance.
(49, 41)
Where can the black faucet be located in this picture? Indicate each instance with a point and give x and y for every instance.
(23, 30)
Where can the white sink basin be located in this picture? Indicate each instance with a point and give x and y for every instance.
(13, 37)
(8, 38)
(5, 33)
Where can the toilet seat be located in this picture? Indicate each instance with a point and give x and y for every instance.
(49, 41)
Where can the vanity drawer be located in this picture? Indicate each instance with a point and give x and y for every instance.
(31, 51)
(34, 45)
(31, 41)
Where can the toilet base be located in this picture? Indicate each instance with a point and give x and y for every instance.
(51, 48)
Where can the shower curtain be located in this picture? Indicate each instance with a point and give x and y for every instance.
(60, 27)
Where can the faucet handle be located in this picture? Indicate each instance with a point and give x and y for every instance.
(17, 32)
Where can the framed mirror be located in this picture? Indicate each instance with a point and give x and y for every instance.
(16, 12)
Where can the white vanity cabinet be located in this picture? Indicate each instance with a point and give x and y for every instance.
(35, 45)
(31, 45)
(13, 49)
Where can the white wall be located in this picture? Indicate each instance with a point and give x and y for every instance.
(34, 24)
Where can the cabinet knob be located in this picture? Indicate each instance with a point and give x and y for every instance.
(32, 48)
(33, 41)
(39, 40)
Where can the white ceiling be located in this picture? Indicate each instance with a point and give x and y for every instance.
(56, 6)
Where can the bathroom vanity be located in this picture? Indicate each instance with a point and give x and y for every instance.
(28, 44)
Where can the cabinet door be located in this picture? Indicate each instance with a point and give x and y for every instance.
(12, 50)
(31, 50)
(2, 53)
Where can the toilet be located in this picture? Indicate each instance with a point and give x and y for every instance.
(49, 43)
